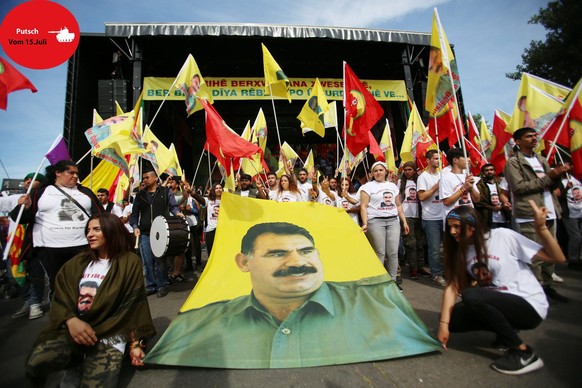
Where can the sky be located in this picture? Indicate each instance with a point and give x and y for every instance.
(489, 38)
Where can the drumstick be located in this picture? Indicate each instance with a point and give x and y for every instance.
(136, 243)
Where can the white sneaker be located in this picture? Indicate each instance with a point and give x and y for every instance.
(35, 311)
(439, 280)
(557, 278)
(22, 312)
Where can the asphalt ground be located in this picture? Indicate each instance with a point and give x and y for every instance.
(558, 341)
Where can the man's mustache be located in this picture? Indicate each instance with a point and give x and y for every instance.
(304, 269)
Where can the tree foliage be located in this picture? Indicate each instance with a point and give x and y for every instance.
(559, 58)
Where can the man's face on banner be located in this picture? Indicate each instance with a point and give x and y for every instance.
(283, 266)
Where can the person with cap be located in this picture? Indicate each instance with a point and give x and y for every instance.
(246, 189)
(34, 281)
(380, 211)
(414, 240)
(530, 177)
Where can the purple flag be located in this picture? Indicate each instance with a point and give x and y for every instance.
(58, 151)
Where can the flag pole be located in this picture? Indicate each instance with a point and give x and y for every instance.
(198, 166)
(84, 156)
(169, 91)
(91, 174)
(275, 114)
(450, 74)
(436, 129)
(20, 211)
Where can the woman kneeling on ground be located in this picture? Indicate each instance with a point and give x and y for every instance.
(98, 308)
(506, 296)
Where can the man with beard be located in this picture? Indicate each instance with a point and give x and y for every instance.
(304, 184)
(246, 188)
(292, 317)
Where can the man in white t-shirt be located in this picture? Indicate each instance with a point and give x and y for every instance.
(530, 178)
(457, 187)
(304, 185)
(427, 187)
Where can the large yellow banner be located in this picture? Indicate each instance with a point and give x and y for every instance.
(223, 88)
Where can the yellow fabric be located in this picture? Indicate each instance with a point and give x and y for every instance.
(276, 82)
(387, 148)
(103, 176)
(185, 83)
(260, 130)
(415, 133)
(312, 115)
(238, 214)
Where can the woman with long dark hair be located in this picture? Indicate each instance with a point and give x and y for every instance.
(99, 307)
(288, 190)
(57, 214)
(499, 293)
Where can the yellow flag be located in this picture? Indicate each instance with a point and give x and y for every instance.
(103, 176)
(118, 110)
(313, 112)
(229, 183)
(158, 154)
(330, 117)
(536, 103)
(276, 82)
(191, 83)
(415, 137)
(246, 134)
(174, 169)
(310, 162)
(387, 149)
(485, 135)
(441, 60)
(260, 130)
(290, 155)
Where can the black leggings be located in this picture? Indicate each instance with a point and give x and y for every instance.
(490, 310)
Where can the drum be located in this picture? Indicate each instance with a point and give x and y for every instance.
(169, 236)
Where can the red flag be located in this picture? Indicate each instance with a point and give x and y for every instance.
(375, 148)
(362, 111)
(11, 80)
(444, 121)
(222, 141)
(476, 159)
(500, 139)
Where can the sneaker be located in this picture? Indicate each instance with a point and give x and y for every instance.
(414, 274)
(35, 312)
(424, 273)
(22, 312)
(150, 292)
(162, 292)
(552, 293)
(398, 279)
(557, 278)
(400, 288)
(517, 362)
(439, 280)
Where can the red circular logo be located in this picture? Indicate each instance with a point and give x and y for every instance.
(39, 34)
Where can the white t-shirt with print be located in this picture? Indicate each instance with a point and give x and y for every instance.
(509, 254)
(410, 202)
(343, 203)
(432, 208)
(450, 184)
(304, 189)
(574, 197)
(89, 285)
(382, 199)
(212, 210)
(496, 217)
(324, 199)
(59, 222)
(289, 196)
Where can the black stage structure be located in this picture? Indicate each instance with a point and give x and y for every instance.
(112, 66)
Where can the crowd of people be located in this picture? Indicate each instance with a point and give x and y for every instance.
(503, 276)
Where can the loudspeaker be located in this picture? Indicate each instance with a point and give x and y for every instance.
(109, 91)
